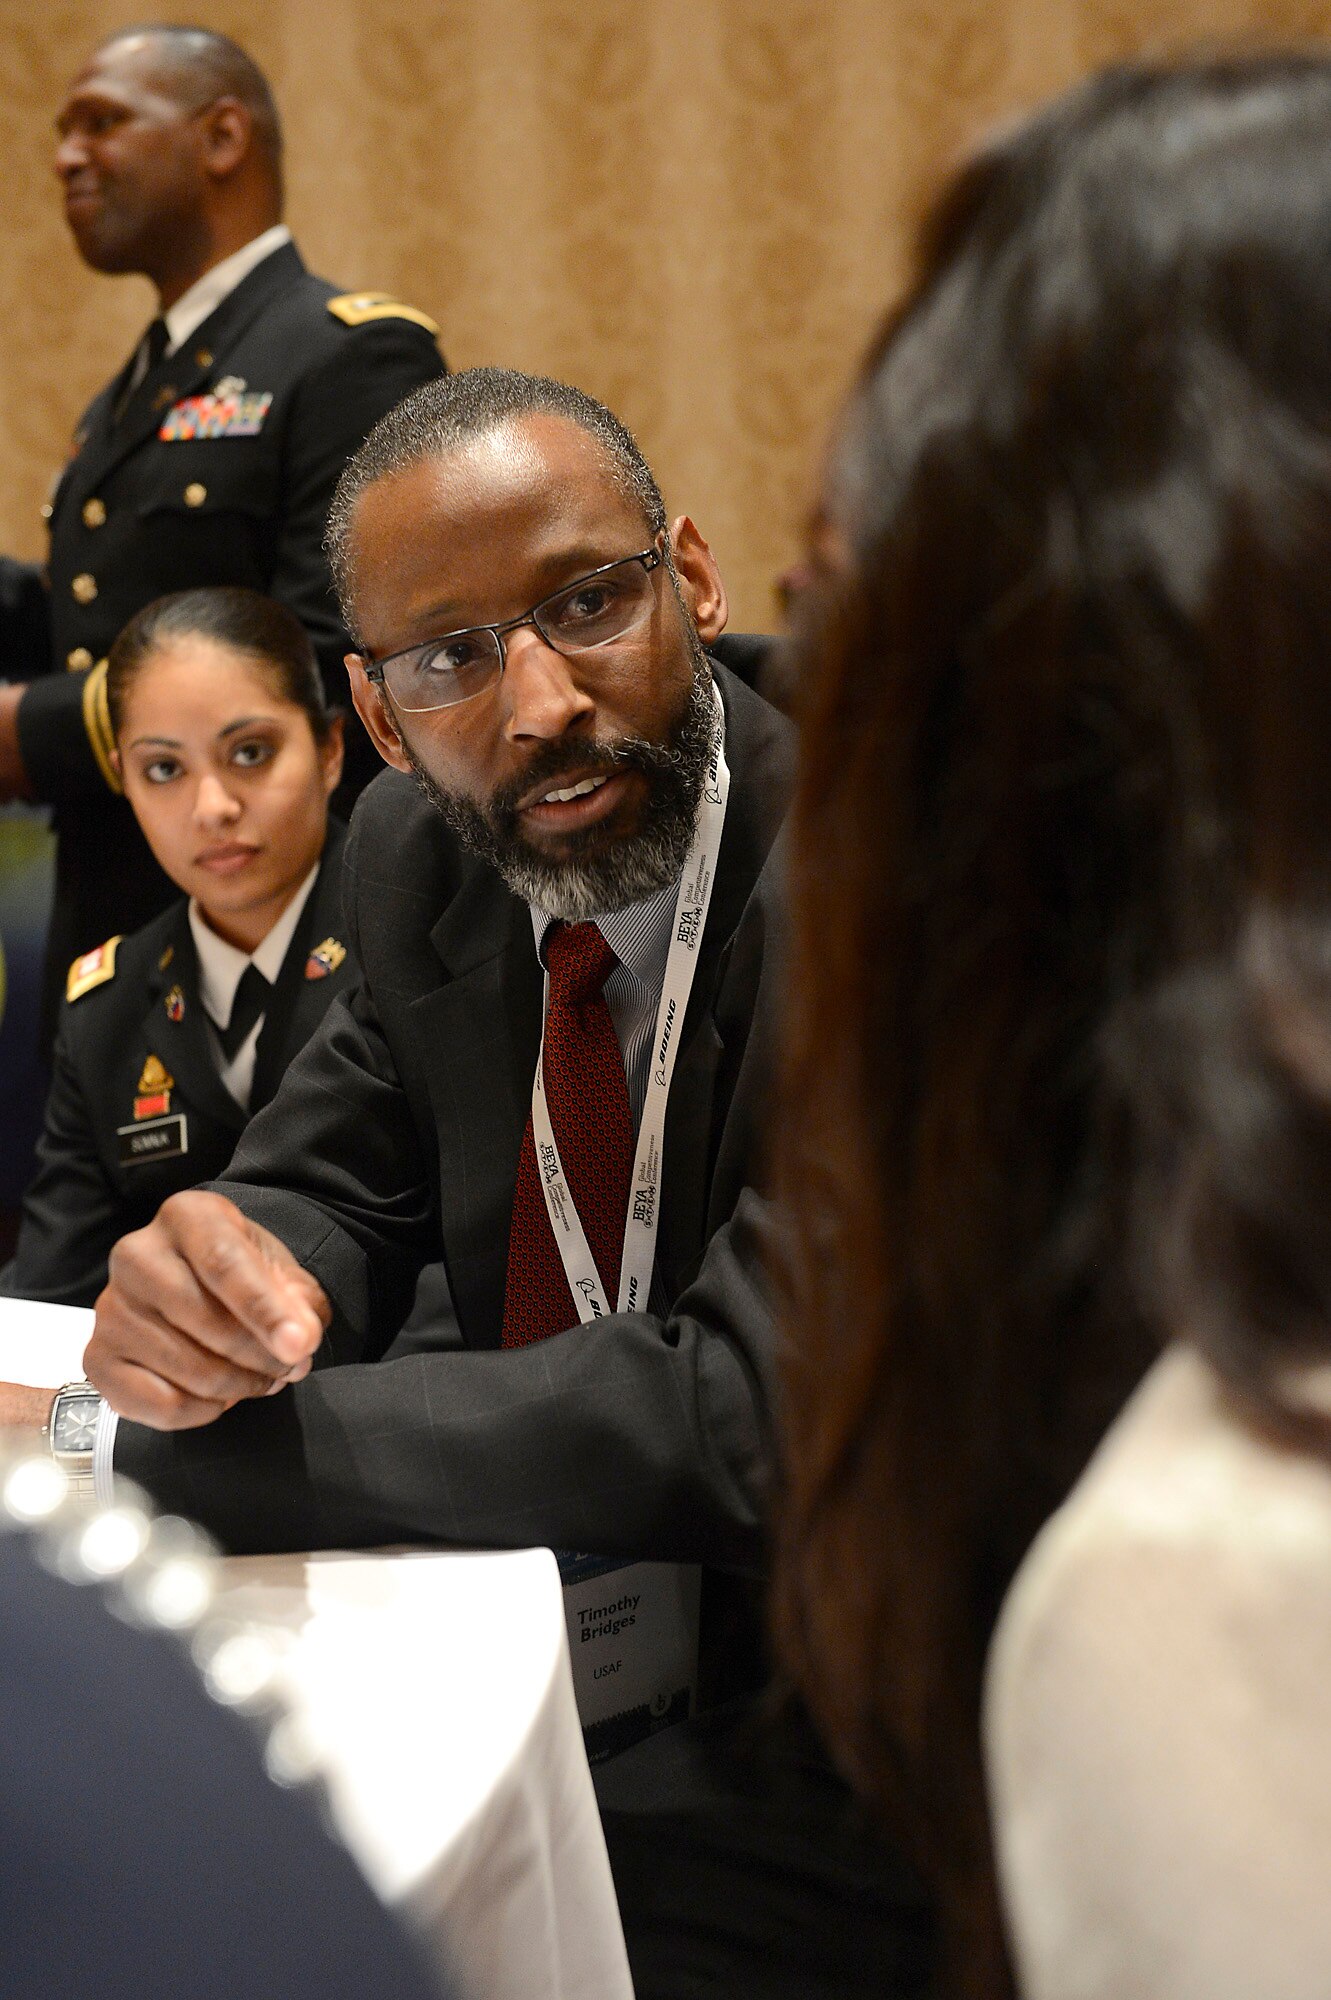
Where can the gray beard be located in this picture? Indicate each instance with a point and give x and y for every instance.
(608, 873)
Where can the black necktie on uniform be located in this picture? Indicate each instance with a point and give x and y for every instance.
(251, 1001)
(146, 357)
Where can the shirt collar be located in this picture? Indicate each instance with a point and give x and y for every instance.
(639, 934)
(204, 296)
(221, 964)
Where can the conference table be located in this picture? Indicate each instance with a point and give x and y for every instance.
(431, 1694)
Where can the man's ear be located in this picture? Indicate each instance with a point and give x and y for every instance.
(332, 752)
(228, 131)
(700, 582)
(375, 713)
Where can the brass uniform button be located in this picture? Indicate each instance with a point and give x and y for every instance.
(94, 513)
(79, 660)
(195, 494)
(203, 357)
(84, 587)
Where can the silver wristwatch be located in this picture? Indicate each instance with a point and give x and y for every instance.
(71, 1432)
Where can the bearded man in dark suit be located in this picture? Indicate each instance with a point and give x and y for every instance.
(572, 771)
(212, 456)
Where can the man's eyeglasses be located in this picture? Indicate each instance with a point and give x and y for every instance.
(599, 608)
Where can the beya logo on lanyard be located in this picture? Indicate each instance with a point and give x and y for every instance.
(642, 1221)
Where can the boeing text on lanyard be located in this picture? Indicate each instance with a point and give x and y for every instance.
(695, 894)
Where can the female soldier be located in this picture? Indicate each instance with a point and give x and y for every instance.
(171, 1038)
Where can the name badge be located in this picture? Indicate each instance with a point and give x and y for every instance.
(633, 1639)
(156, 1139)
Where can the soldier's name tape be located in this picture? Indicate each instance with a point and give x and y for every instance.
(162, 1139)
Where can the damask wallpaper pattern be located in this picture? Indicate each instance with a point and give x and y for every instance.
(697, 209)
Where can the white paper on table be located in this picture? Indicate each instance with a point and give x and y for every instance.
(42, 1345)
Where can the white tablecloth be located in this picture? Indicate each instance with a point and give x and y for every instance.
(436, 1693)
(42, 1345)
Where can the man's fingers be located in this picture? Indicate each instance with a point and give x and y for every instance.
(174, 1358)
(145, 1398)
(164, 1404)
(249, 1273)
(296, 1374)
(202, 1309)
(154, 1297)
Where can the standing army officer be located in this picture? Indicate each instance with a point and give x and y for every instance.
(212, 456)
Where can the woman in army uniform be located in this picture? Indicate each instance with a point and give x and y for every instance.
(170, 1039)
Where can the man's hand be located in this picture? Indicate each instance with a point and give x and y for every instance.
(202, 1309)
(14, 780)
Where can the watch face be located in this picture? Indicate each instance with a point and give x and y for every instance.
(75, 1425)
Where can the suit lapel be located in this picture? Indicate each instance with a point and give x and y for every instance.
(110, 442)
(182, 1043)
(181, 374)
(687, 1163)
(298, 1003)
(687, 1151)
(478, 1035)
(89, 441)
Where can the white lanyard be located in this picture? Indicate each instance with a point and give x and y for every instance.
(690, 921)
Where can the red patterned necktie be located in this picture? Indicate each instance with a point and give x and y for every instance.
(588, 1101)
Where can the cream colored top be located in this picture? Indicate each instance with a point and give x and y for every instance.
(1158, 1715)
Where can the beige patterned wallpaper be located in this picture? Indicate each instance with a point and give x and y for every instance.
(696, 209)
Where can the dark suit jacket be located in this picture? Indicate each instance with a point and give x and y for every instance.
(397, 1131)
(138, 516)
(746, 655)
(85, 1196)
(143, 1852)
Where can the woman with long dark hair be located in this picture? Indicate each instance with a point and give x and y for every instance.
(169, 1040)
(1064, 803)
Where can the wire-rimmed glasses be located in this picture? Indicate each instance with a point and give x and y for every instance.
(595, 610)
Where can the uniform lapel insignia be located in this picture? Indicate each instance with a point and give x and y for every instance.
(155, 1075)
(175, 1004)
(213, 415)
(166, 958)
(325, 958)
(93, 969)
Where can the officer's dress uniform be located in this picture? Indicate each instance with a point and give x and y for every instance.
(214, 464)
(145, 1100)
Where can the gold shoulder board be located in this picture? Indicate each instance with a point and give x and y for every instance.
(356, 308)
(93, 969)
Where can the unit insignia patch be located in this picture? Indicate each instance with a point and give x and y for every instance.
(325, 958)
